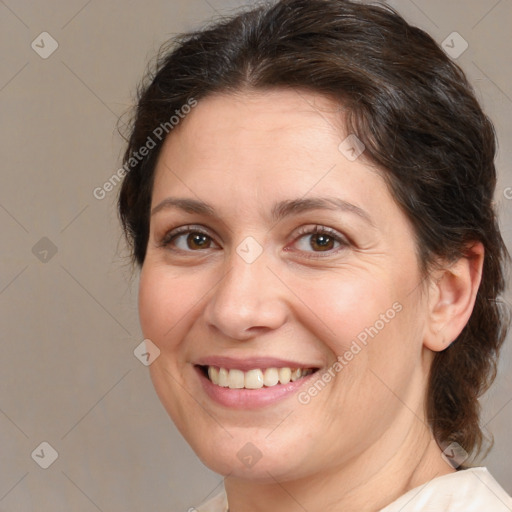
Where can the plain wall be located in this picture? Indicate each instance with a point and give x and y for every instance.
(67, 296)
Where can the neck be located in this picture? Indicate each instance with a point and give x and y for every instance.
(364, 484)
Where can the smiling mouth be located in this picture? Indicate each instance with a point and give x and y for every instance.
(254, 379)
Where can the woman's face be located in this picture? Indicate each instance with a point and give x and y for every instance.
(274, 248)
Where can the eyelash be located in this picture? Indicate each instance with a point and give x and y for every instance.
(322, 230)
(302, 232)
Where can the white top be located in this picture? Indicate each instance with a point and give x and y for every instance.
(469, 490)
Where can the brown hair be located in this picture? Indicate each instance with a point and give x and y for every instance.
(416, 114)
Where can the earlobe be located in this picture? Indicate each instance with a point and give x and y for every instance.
(451, 298)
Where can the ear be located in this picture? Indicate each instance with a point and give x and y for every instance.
(451, 298)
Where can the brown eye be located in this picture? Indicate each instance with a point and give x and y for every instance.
(319, 239)
(187, 239)
(198, 241)
(322, 242)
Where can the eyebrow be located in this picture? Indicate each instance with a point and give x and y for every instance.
(279, 211)
(187, 205)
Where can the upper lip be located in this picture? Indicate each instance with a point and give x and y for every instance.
(250, 363)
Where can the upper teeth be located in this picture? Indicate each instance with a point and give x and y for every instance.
(254, 379)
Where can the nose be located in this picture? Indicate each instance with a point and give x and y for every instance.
(248, 301)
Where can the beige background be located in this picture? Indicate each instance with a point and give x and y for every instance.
(69, 319)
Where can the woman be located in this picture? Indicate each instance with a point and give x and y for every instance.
(310, 202)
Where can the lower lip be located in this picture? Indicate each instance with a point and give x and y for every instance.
(250, 398)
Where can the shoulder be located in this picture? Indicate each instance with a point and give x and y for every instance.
(469, 490)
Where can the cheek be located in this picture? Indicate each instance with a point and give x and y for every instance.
(348, 303)
(165, 312)
(165, 304)
(369, 323)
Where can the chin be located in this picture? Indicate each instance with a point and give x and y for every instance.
(257, 460)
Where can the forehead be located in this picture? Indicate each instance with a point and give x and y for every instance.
(254, 147)
(276, 121)
(257, 131)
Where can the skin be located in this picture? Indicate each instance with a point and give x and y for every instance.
(363, 440)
